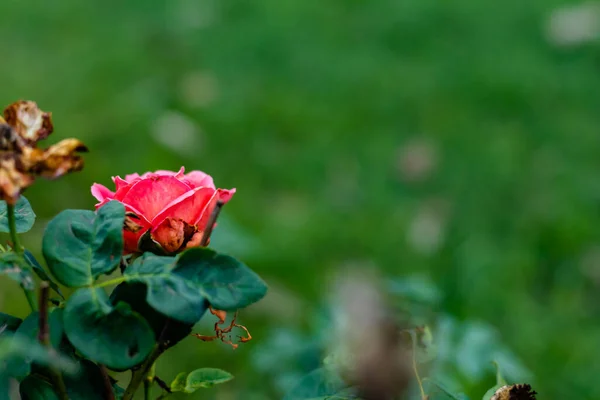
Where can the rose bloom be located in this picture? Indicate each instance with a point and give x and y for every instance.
(172, 208)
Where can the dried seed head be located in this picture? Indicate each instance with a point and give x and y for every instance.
(23, 125)
(514, 392)
(28, 121)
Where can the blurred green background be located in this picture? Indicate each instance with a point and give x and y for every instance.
(455, 140)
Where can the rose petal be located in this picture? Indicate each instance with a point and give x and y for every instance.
(161, 172)
(119, 182)
(131, 177)
(226, 194)
(199, 179)
(123, 190)
(188, 207)
(221, 195)
(132, 237)
(101, 192)
(152, 195)
(170, 234)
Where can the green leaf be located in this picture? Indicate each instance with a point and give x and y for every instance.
(24, 216)
(135, 295)
(114, 336)
(19, 347)
(17, 269)
(80, 245)
(500, 380)
(117, 390)
(200, 378)
(28, 330)
(34, 388)
(446, 391)
(88, 384)
(321, 383)
(227, 283)
(169, 292)
(5, 386)
(30, 326)
(41, 272)
(488, 395)
(8, 323)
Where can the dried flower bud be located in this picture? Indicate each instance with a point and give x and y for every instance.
(28, 121)
(514, 392)
(23, 125)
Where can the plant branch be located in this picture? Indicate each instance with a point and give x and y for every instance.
(162, 384)
(211, 224)
(44, 329)
(44, 339)
(16, 245)
(147, 389)
(108, 390)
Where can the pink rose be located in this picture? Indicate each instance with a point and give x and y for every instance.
(172, 207)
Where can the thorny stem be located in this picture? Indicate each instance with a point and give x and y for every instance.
(16, 244)
(44, 339)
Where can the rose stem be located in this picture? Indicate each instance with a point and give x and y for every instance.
(12, 225)
(211, 223)
(108, 390)
(44, 339)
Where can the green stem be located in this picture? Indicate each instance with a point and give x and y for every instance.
(148, 381)
(12, 225)
(147, 387)
(140, 374)
(111, 282)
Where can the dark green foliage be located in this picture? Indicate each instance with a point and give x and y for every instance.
(36, 388)
(41, 272)
(111, 335)
(81, 245)
(181, 287)
(24, 216)
(8, 323)
(134, 294)
(17, 269)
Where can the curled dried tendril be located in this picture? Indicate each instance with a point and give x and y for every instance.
(224, 334)
(21, 161)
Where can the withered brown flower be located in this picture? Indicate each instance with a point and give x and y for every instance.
(515, 392)
(21, 161)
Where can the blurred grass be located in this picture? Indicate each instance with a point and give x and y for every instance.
(310, 109)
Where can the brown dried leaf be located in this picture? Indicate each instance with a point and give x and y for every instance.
(12, 181)
(28, 121)
(59, 159)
